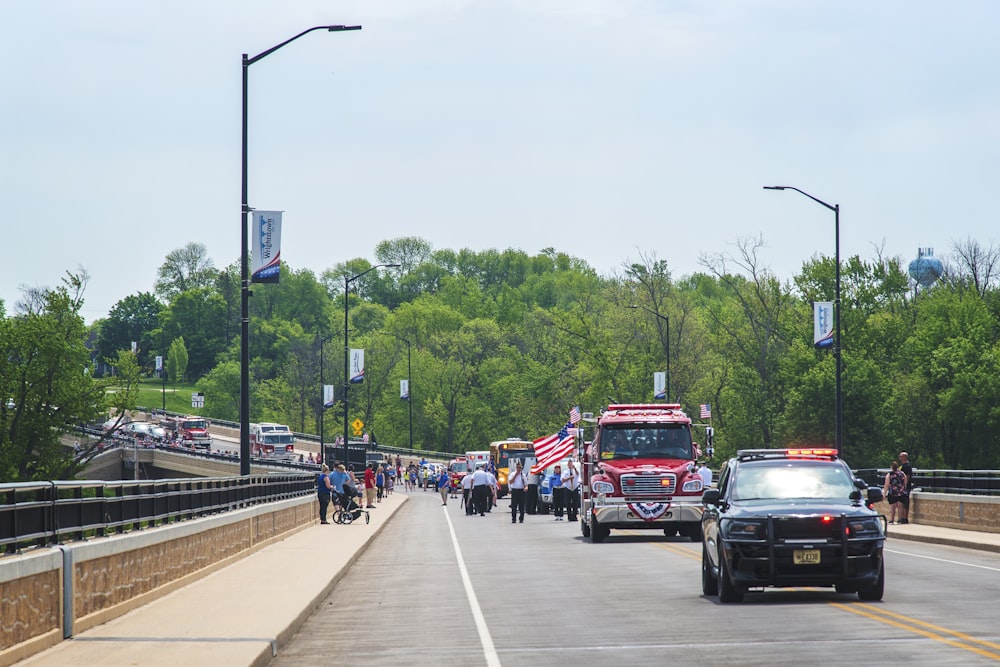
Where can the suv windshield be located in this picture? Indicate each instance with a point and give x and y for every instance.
(780, 479)
(654, 441)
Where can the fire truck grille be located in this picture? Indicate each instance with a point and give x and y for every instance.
(649, 485)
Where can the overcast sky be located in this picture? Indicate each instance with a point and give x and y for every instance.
(602, 128)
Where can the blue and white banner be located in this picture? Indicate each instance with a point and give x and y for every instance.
(659, 385)
(266, 246)
(357, 366)
(404, 389)
(159, 362)
(328, 396)
(823, 324)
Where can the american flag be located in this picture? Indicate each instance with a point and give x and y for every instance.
(706, 411)
(574, 415)
(552, 448)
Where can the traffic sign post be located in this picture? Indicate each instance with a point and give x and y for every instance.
(197, 400)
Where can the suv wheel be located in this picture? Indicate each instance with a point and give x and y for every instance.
(875, 592)
(709, 584)
(584, 528)
(727, 591)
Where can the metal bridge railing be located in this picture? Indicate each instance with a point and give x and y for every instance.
(45, 513)
(973, 482)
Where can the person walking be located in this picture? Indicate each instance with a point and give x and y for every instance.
(706, 475)
(467, 494)
(571, 490)
(380, 483)
(480, 487)
(518, 485)
(323, 490)
(894, 489)
(339, 481)
(558, 499)
(443, 486)
(904, 501)
(369, 487)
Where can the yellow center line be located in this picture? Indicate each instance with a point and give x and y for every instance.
(907, 622)
(680, 551)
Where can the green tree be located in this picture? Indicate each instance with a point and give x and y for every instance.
(184, 269)
(177, 360)
(48, 387)
(133, 319)
(199, 316)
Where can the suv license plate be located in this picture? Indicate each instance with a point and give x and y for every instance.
(806, 556)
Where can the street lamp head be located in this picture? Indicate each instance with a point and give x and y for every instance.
(774, 187)
(340, 28)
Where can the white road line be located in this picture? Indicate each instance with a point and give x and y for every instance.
(943, 560)
(489, 651)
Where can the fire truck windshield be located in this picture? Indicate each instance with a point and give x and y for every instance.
(648, 441)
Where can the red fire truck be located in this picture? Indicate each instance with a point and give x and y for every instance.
(272, 440)
(189, 431)
(639, 473)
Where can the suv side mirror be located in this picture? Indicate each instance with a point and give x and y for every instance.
(710, 497)
(874, 495)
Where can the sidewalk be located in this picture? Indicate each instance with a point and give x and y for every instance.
(969, 539)
(237, 616)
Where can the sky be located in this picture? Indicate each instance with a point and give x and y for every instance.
(607, 129)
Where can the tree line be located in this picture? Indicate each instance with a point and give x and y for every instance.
(500, 344)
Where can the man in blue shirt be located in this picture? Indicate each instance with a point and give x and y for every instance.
(443, 485)
(558, 497)
(338, 479)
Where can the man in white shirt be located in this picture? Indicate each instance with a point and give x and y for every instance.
(517, 482)
(706, 475)
(571, 493)
(480, 487)
(491, 497)
(467, 494)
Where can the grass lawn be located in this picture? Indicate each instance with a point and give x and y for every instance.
(152, 394)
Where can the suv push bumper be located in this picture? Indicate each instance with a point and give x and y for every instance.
(647, 512)
(854, 564)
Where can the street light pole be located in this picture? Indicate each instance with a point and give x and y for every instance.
(837, 347)
(245, 257)
(347, 347)
(665, 318)
(409, 386)
(322, 399)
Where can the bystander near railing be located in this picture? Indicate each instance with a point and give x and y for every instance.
(973, 482)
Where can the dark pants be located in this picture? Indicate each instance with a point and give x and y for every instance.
(532, 499)
(467, 500)
(479, 498)
(572, 499)
(324, 503)
(518, 501)
(558, 500)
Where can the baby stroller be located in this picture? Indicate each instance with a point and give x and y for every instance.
(349, 510)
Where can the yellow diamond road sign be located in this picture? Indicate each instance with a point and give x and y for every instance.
(357, 425)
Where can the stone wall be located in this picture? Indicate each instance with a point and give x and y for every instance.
(113, 575)
(950, 510)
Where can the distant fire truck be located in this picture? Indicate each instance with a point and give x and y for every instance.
(639, 473)
(189, 431)
(272, 441)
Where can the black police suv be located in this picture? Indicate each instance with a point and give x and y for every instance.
(791, 517)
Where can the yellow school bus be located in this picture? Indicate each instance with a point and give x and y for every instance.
(500, 450)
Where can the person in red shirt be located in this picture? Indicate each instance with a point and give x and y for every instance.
(369, 487)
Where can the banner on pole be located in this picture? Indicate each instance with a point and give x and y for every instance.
(357, 366)
(328, 396)
(404, 389)
(159, 362)
(823, 324)
(659, 385)
(266, 246)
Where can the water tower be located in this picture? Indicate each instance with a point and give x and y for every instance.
(926, 268)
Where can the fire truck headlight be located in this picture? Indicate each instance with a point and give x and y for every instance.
(692, 486)
(603, 487)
